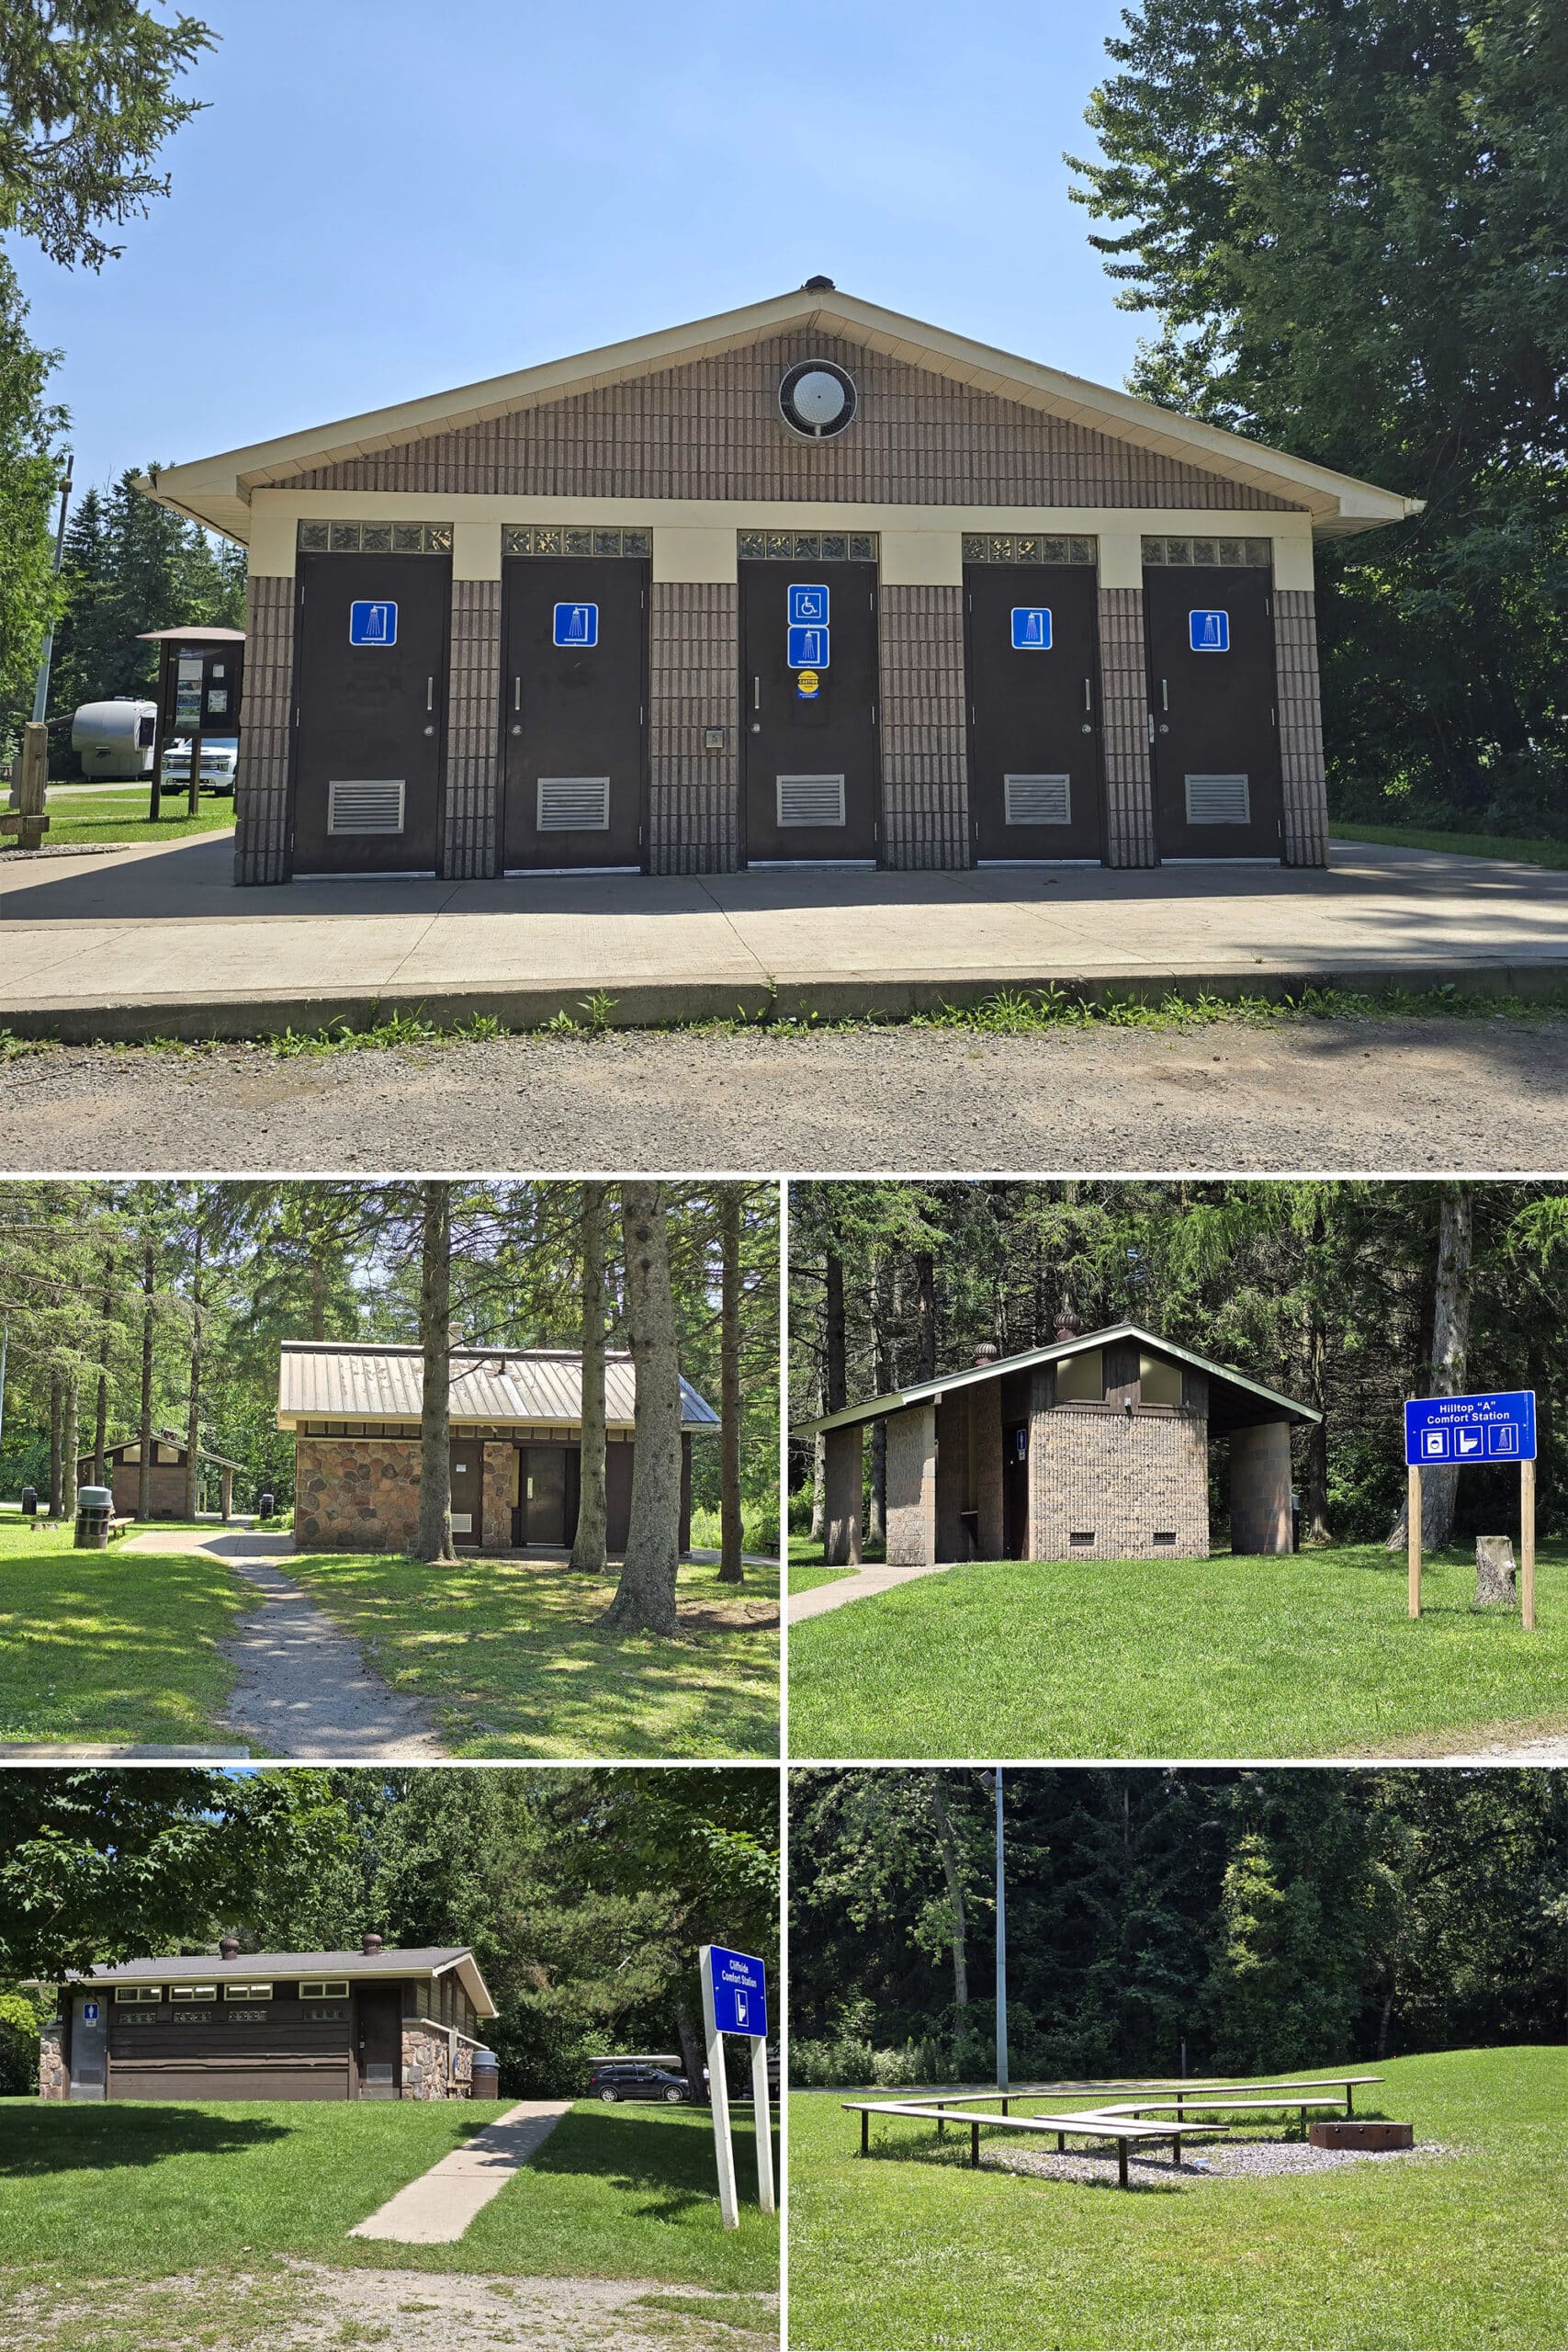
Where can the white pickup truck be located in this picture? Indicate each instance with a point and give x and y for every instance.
(218, 761)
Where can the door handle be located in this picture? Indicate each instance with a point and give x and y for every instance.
(756, 693)
(1088, 700)
(1164, 694)
(430, 694)
(518, 694)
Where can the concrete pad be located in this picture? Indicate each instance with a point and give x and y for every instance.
(863, 1585)
(159, 942)
(436, 2209)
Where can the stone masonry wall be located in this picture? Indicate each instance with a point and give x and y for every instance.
(495, 1533)
(355, 1494)
(51, 2082)
(429, 2052)
(911, 1485)
(1119, 1482)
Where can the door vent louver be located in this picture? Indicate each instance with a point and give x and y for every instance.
(1218, 800)
(1038, 799)
(462, 1522)
(360, 807)
(811, 799)
(574, 804)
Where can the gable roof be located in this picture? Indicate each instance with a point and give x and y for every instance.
(216, 491)
(927, 1392)
(335, 1381)
(422, 1960)
(166, 1437)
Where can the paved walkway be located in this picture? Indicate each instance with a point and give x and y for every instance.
(862, 1586)
(437, 2207)
(159, 942)
(304, 1690)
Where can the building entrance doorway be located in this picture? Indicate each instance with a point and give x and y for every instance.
(810, 762)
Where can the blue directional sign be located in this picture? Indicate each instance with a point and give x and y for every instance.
(372, 621)
(577, 624)
(807, 648)
(91, 2013)
(1031, 628)
(807, 606)
(1499, 1428)
(739, 1992)
(1209, 632)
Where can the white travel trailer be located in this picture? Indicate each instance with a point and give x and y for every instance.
(114, 739)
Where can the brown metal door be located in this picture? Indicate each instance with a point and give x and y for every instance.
(544, 1496)
(379, 2040)
(811, 767)
(1032, 649)
(467, 1493)
(1210, 631)
(574, 674)
(369, 716)
(1015, 1488)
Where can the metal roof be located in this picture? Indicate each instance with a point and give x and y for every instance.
(422, 1960)
(167, 1437)
(927, 1392)
(341, 1381)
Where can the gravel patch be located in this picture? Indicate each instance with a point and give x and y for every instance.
(1233, 2160)
(1419, 1095)
(304, 1690)
(62, 849)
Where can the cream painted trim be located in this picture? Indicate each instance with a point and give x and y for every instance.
(696, 540)
(216, 490)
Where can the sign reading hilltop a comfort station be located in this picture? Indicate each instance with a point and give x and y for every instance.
(1496, 1428)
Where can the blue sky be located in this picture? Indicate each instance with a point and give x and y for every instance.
(387, 198)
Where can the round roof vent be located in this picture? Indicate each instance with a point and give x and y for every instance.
(816, 399)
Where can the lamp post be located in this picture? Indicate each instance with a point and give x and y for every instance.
(1002, 1949)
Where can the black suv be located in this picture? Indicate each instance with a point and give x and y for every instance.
(615, 2078)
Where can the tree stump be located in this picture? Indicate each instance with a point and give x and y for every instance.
(1494, 1571)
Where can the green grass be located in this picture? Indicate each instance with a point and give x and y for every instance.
(1312, 1654)
(506, 1655)
(913, 2249)
(808, 1568)
(122, 817)
(112, 1646)
(1523, 850)
(142, 2191)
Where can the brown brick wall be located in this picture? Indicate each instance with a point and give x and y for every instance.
(261, 782)
(711, 430)
(911, 1485)
(1121, 1479)
(925, 759)
(355, 1494)
(1124, 700)
(693, 683)
(1300, 728)
(51, 2082)
(471, 817)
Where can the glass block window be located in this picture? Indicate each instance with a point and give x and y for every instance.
(375, 538)
(554, 538)
(808, 547)
(1026, 547)
(1226, 552)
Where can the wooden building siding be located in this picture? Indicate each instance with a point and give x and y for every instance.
(711, 429)
(925, 764)
(1302, 766)
(261, 781)
(693, 683)
(1125, 732)
(470, 819)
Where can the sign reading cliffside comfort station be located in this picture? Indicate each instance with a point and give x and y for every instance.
(735, 2000)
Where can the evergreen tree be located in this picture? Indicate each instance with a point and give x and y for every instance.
(30, 430)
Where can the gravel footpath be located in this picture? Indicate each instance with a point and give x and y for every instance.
(1227, 2160)
(1381, 1096)
(303, 1688)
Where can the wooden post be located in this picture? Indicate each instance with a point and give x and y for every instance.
(762, 2119)
(974, 2147)
(1122, 2164)
(1413, 1538)
(718, 2100)
(30, 790)
(1349, 2099)
(1176, 2150)
(155, 799)
(1526, 1545)
(1061, 2143)
(865, 2132)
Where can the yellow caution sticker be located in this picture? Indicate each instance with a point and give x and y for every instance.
(806, 683)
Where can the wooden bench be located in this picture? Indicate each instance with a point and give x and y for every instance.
(1123, 2130)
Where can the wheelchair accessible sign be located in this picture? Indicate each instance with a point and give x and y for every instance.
(1498, 1428)
(806, 629)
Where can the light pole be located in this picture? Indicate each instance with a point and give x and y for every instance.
(40, 691)
(1002, 1949)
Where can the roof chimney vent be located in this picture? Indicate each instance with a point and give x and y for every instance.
(1068, 1325)
(818, 286)
(228, 1948)
(987, 1353)
(369, 1942)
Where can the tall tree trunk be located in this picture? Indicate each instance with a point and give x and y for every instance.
(435, 1408)
(70, 1440)
(193, 1405)
(101, 1408)
(645, 1598)
(1451, 1293)
(588, 1548)
(947, 1847)
(316, 1245)
(730, 1544)
(144, 1421)
(835, 1369)
(881, 1311)
(56, 1485)
(820, 1476)
(925, 1282)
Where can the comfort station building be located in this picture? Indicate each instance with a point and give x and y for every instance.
(809, 582)
(516, 1445)
(1096, 1447)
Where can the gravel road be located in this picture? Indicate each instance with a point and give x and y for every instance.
(1391, 1096)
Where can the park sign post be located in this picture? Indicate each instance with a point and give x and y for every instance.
(735, 2000)
(1460, 1432)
